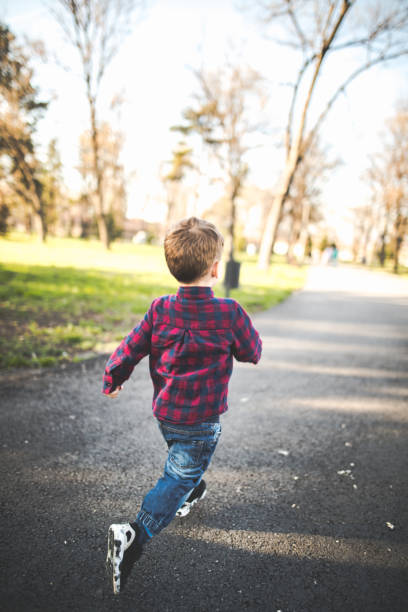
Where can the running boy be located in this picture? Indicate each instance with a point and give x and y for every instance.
(191, 339)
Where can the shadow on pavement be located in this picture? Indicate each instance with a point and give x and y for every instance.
(310, 469)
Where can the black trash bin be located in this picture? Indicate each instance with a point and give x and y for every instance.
(231, 280)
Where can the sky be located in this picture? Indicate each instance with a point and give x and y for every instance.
(153, 73)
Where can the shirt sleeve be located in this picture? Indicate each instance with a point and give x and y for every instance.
(247, 345)
(129, 352)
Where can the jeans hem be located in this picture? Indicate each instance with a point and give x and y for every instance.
(146, 520)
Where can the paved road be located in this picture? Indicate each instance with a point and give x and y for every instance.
(311, 467)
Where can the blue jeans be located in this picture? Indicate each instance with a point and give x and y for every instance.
(190, 448)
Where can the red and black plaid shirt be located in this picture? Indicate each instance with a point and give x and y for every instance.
(191, 339)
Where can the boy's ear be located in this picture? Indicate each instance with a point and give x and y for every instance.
(214, 269)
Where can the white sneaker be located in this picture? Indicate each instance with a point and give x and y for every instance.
(195, 496)
(123, 551)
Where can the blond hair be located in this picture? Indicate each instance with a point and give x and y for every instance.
(191, 247)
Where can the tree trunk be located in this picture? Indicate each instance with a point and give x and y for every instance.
(366, 238)
(38, 223)
(229, 246)
(232, 228)
(398, 241)
(293, 234)
(171, 204)
(306, 209)
(382, 254)
(272, 221)
(38, 208)
(99, 212)
(41, 225)
(396, 254)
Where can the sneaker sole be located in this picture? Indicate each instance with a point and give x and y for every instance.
(186, 508)
(114, 558)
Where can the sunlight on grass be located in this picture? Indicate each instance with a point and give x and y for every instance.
(69, 297)
(83, 254)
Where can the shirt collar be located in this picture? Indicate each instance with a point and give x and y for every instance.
(195, 293)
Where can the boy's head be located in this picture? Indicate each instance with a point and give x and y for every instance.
(191, 248)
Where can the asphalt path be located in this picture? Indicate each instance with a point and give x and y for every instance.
(307, 493)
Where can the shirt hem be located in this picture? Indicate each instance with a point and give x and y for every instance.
(209, 419)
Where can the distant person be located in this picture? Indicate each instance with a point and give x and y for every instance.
(326, 255)
(334, 255)
(191, 339)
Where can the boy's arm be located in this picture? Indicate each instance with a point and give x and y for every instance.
(129, 352)
(247, 344)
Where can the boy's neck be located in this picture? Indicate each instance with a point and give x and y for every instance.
(208, 280)
(208, 284)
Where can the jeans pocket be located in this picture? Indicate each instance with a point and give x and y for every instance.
(186, 455)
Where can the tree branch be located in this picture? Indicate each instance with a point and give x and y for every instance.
(288, 137)
(325, 47)
(395, 21)
(296, 25)
(329, 16)
(343, 87)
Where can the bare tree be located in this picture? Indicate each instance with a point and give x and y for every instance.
(365, 223)
(96, 28)
(110, 145)
(319, 30)
(389, 185)
(304, 197)
(221, 117)
(172, 180)
(53, 188)
(397, 152)
(378, 212)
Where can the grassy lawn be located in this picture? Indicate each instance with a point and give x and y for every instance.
(376, 267)
(68, 299)
(389, 267)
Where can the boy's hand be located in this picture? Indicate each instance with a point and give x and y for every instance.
(115, 393)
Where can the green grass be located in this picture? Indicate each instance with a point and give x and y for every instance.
(68, 299)
(389, 267)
